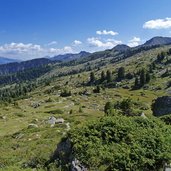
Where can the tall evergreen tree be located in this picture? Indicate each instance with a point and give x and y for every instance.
(121, 73)
(142, 77)
(153, 65)
(92, 77)
(147, 77)
(136, 84)
(169, 52)
(103, 76)
(150, 68)
(108, 76)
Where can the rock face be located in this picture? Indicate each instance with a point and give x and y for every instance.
(162, 106)
(64, 154)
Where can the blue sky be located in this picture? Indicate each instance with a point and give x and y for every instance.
(36, 28)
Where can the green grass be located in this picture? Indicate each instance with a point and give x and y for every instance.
(41, 142)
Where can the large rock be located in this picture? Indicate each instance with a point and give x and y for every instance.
(60, 121)
(64, 154)
(162, 106)
(52, 120)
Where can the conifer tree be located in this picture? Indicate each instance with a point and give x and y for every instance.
(142, 77)
(103, 76)
(136, 84)
(108, 76)
(92, 77)
(121, 73)
(147, 77)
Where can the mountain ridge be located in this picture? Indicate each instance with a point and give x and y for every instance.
(70, 56)
(158, 40)
(5, 60)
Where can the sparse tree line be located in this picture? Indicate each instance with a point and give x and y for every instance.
(142, 77)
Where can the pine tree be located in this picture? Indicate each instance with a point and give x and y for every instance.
(136, 84)
(147, 77)
(150, 68)
(153, 65)
(121, 73)
(142, 77)
(108, 76)
(97, 89)
(103, 76)
(92, 77)
(169, 52)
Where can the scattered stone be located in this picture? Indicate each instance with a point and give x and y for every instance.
(143, 115)
(68, 126)
(19, 136)
(35, 105)
(32, 126)
(34, 121)
(3, 117)
(52, 120)
(76, 166)
(60, 121)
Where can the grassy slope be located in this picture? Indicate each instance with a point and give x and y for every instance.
(18, 144)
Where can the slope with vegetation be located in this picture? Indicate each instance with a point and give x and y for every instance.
(105, 98)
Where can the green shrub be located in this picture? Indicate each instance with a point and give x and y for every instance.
(121, 143)
(65, 93)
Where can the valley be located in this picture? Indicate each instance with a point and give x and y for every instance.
(38, 112)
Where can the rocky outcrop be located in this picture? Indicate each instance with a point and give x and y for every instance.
(162, 106)
(64, 155)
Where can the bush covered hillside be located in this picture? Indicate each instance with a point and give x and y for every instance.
(106, 111)
(122, 143)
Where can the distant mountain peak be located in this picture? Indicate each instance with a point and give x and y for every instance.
(4, 60)
(158, 40)
(121, 48)
(70, 56)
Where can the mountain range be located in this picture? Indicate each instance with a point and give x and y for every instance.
(105, 98)
(12, 65)
(70, 56)
(4, 60)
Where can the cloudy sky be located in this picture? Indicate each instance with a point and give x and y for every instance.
(37, 28)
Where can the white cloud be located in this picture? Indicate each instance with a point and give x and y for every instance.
(20, 47)
(55, 51)
(158, 24)
(29, 51)
(52, 43)
(105, 32)
(114, 41)
(77, 42)
(97, 42)
(135, 41)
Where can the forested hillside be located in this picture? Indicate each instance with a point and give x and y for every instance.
(92, 113)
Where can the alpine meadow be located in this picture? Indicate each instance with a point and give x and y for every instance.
(85, 85)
